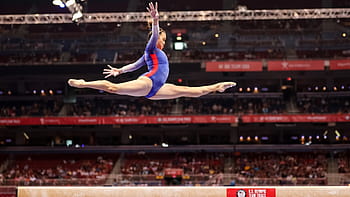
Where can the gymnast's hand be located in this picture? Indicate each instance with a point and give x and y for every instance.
(111, 71)
(153, 10)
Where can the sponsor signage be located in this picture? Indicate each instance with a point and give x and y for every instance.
(173, 172)
(233, 66)
(105, 120)
(251, 192)
(339, 64)
(295, 118)
(295, 65)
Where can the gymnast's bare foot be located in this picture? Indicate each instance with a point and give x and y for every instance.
(222, 86)
(78, 83)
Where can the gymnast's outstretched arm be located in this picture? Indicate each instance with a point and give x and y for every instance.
(128, 68)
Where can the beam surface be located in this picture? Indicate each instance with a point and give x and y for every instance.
(180, 191)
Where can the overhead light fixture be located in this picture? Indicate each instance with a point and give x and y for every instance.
(242, 8)
(344, 34)
(165, 145)
(26, 135)
(337, 133)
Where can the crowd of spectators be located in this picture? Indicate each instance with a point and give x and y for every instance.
(57, 170)
(343, 161)
(120, 56)
(183, 106)
(138, 107)
(143, 107)
(280, 168)
(99, 43)
(237, 106)
(323, 105)
(30, 108)
(197, 168)
(187, 107)
(246, 168)
(190, 163)
(258, 168)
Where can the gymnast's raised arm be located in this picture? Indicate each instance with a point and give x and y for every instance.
(153, 11)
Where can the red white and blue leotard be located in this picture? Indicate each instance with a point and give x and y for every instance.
(158, 66)
(157, 63)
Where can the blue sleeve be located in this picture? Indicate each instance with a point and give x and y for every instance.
(134, 66)
(151, 45)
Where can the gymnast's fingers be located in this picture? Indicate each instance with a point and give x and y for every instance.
(110, 66)
(108, 75)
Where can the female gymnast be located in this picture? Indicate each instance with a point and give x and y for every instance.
(152, 83)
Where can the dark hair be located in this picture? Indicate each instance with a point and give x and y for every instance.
(150, 33)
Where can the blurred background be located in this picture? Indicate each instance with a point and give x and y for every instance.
(286, 122)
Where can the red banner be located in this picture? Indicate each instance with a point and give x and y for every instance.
(296, 118)
(251, 192)
(108, 120)
(306, 65)
(339, 64)
(233, 66)
(105, 120)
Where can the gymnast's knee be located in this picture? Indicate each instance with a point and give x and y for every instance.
(110, 87)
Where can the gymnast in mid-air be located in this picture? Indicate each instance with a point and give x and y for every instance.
(151, 84)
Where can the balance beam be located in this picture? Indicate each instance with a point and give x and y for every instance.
(180, 191)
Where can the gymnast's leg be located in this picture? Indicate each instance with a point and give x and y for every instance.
(170, 91)
(138, 87)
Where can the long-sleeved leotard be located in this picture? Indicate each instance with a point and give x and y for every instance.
(157, 63)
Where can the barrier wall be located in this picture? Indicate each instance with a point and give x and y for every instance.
(292, 191)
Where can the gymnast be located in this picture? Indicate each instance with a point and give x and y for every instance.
(151, 84)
